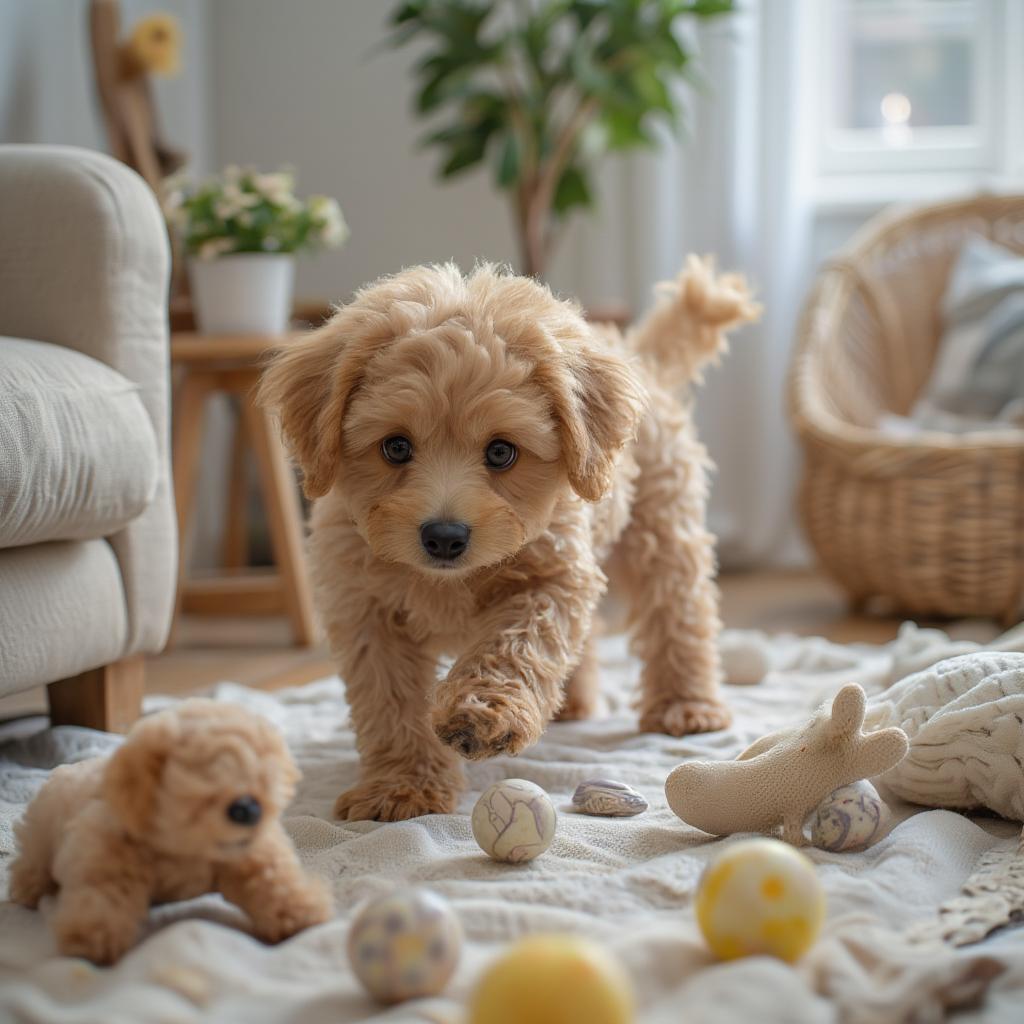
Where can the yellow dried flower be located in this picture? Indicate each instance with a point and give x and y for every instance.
(155, 44)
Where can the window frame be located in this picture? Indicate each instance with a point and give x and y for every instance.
(946, 150)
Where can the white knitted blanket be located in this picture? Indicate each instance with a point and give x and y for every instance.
(627, 882)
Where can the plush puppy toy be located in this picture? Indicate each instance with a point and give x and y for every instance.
(189, 804)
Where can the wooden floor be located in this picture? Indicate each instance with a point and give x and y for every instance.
(257, 652)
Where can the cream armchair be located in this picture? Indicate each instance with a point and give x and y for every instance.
(87, 532)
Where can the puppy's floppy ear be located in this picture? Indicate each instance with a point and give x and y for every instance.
(307, 384)
(598, 402)
(133, 774)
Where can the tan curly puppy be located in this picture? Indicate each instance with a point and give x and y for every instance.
(469, 443)
(189, 804)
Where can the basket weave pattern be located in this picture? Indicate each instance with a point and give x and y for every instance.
(934, 522)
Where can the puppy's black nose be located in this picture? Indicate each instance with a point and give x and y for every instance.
(444, 540)
(245, 810)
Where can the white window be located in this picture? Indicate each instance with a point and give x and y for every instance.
(925, 86)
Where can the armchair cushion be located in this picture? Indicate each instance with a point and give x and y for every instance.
(78, 453)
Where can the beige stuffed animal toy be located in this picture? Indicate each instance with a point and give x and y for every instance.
(189, 804)
(782, 778)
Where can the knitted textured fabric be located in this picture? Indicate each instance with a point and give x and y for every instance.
(781, 778)
(965, 720)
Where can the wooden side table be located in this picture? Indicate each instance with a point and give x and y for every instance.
(210, 363)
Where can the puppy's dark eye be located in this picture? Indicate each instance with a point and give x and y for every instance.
(500, 454)
(396, 449)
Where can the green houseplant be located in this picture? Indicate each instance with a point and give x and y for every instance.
(240, 230)
(543, 89)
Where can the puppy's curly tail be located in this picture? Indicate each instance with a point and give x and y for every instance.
(686, 330)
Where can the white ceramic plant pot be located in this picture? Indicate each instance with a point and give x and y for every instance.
(243, 293)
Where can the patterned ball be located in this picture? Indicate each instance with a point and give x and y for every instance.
(849, 818)
(514, 821)
(405, 944)
(760, 896)
(553, 979)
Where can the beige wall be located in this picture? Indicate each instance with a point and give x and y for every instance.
(319, 92)
(308, 83)
(46, 78)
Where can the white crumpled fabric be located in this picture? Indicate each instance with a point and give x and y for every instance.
(965, 721)
(626, 882)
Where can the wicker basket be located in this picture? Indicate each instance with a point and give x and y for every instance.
(936, 522)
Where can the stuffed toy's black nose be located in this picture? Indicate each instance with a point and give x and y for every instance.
(444, 540)
(245, 810)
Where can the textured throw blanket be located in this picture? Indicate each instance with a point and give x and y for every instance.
(628, 883)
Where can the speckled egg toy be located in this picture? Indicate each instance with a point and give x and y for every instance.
(405, 944)
(760, 896)
(514, 821)
(850, 818)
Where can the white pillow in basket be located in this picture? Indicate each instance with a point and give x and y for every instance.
(978, 377)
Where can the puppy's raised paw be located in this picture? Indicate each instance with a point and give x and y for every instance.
(680, 717)
(397, 799)
(484, 726)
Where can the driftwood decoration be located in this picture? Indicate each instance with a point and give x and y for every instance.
(123, 68)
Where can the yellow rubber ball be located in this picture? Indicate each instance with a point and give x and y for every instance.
(760, 896)
(553, 979)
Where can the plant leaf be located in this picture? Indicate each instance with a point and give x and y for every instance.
(624, 128)
(465, 152)
(573, 190)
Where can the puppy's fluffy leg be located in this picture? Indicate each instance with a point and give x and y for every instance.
(405, 771)
(105, 887)
(270, 885)
(582, 688)
(38, 833)
(670, 556)
(31, 878)
(503, 691)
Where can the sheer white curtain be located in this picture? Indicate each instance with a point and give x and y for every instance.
(736, 184)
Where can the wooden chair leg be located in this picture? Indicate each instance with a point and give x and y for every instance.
(236, 529)
(107, 698)
(284, 519)
(189, 407)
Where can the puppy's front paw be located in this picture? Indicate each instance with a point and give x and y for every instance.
(487, 725)
(101, 940)
(397, 799)
(679, 717)
(29, 883)
(305, 904)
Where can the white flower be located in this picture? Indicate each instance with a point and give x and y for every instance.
(243, 208)
(225, 209)
(233, 200)
(279, 188)
(328, 219)
(215, 247)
